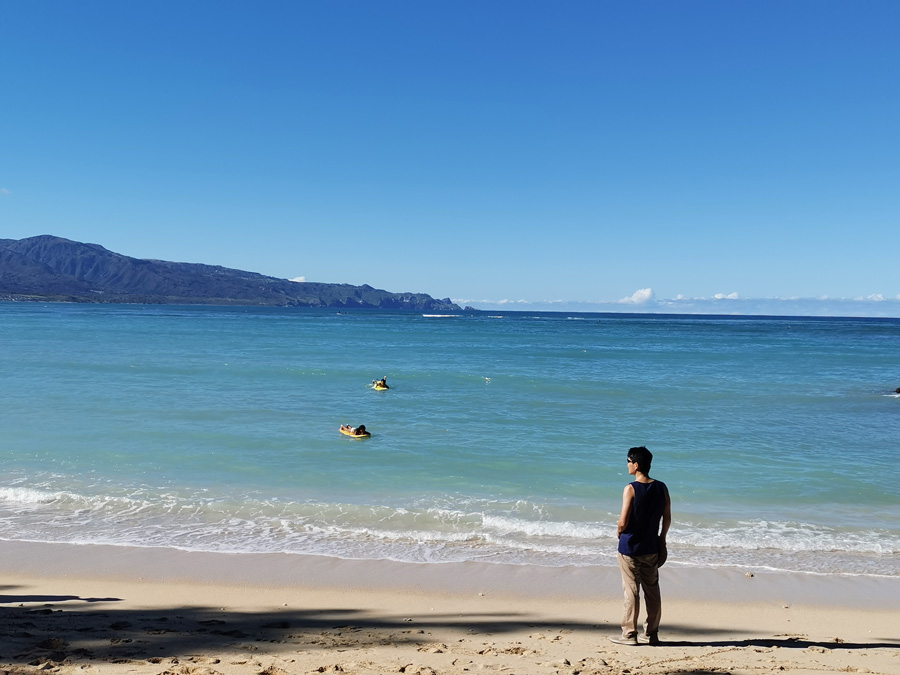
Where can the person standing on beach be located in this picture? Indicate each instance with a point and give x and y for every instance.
(642, 547)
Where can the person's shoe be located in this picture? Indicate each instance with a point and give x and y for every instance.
(652, 639)
(631, 641)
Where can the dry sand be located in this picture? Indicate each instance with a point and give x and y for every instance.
(116, 610)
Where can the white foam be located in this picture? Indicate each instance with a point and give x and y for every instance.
(442, 529)
(18, 495)
(788, 537)
(542, 528)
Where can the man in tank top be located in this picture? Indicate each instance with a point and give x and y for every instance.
(642, 547)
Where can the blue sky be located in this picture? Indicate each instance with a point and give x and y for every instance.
(627, 155)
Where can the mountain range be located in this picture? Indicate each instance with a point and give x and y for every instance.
(51, 268)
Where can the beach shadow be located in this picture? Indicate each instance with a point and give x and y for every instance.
(10, 599)
(48, 632)
(100, 632)
(783, 643)
(797, 641)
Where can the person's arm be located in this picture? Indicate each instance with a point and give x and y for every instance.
(666, 518)
(627, 501)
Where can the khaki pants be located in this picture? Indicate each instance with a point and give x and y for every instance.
(639, 572)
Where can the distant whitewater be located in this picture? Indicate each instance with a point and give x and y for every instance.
(502, 439)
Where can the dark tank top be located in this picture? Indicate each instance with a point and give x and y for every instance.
(641, 537)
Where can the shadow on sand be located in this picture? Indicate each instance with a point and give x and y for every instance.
(707, 637)
(35, 628)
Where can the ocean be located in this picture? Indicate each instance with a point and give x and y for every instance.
(502, 439)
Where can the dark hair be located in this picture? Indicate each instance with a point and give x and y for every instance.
(642, 457)
(361, 428)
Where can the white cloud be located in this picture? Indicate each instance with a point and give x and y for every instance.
(299, 280)
(639, 297)
(888, 306)
(493, 303)
(876, 297)
(5, 192)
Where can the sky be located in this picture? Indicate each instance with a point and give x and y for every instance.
(726, 157)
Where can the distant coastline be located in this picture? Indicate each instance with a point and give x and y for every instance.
(47, 268)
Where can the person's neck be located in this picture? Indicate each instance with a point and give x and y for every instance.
(641, 477)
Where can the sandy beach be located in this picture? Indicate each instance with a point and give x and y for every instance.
(151, 611)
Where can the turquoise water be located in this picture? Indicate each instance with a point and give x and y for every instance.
(502, 438)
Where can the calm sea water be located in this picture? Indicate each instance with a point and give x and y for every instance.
(502, 438)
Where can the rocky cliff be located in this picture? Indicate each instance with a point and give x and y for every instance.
(53, 268)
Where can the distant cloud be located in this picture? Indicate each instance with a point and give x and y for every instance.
(639, 297)
(527, 304)
(643, 301)
(299, 280)
(4, 192)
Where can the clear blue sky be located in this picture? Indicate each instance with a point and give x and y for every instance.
(486, 151)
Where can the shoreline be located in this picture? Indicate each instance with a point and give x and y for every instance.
(121, 610)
